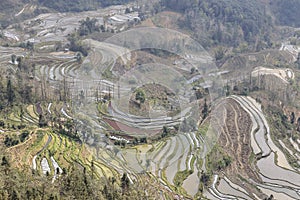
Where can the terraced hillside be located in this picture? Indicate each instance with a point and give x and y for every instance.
(253, 168)
(140, 115)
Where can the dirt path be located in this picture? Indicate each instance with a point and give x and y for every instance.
(284, 74)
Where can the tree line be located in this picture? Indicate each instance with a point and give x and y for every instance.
(220, 22)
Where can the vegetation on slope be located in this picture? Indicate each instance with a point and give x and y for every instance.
(76, 184)
(225, 22)
(286, 12)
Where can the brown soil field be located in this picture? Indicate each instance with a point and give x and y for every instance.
(118, 126)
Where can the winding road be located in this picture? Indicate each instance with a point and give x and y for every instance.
(39, 152)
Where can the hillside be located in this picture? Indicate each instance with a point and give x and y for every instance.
(286, 12)
(12, 4)
(160, 99)
(8, 9)
(225, 22)
(17, 10)
(79, 5)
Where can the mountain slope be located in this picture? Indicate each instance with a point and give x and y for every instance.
(225, 22)
(286, 12)
(79, 5)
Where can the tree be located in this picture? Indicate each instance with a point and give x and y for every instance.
(88, 26)
(42, 121)
(219, 53)
(4, 161)
(298, 124)
(193, 70)
(5, 164)
(148, 162)
(14, 195)
(205, 109)
(2, 94)
(76, 45)
(227, 90)
(57, 171)
(298, 61)
(81, 95)
(92, 168)
(20, 63)
(30, 45)
(10, 92)
(140, 96)
(144, 140)
(78, 57)
(292, 118)
(125, 182)
(13, 58)
(26, 93)
(102, 28)
(270, 198)
(127, 10)
(166, 131)
(64, 171)
(205, 178)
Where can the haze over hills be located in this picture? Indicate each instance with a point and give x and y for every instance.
(225, 22)
(9, 9)
(79, 5)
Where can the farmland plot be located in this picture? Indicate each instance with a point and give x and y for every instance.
(276, 178)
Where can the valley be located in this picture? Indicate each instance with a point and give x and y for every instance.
(103, 104)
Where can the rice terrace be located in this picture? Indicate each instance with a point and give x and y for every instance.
(163, 99)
